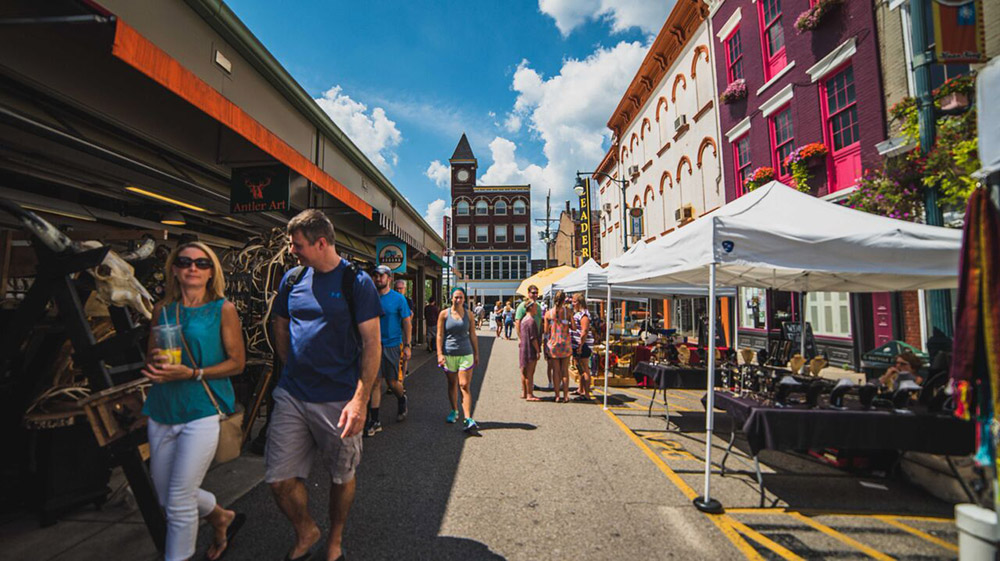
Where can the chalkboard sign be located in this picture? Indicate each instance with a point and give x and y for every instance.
(792, 331)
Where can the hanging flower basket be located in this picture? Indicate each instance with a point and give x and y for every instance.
(760, 176)
(810, 19)
(801, 161)
(735, 91)
(954, 101)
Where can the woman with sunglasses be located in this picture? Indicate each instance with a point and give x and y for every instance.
(183, 420)
(458, 354)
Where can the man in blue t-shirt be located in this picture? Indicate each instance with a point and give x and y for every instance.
(331, 361)
(396, 332)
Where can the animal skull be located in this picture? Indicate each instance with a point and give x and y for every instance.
(117, 285)
(116, 282)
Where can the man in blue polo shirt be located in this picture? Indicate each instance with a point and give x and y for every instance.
(397, 329)
(326, 332)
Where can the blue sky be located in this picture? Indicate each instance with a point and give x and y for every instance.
(532, 83)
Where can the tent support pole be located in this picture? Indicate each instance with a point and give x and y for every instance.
(706, 503)
(607, 347)
(802, 326)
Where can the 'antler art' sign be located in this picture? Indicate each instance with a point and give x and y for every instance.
(258, 189)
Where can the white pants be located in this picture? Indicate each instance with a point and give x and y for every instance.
(179, 458)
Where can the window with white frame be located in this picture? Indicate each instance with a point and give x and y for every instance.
(462, 233)
(520, 207)
(482, 208)
(829, 313)
(500, 207)
(520, 233)
(753, 304)
(482, 234)
(462, 208)
(500, 233)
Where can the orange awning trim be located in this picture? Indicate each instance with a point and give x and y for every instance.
(140, 53)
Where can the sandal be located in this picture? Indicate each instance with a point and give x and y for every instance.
(532, 398)
(231, 531)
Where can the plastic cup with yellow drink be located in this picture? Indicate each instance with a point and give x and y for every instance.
(167, 338)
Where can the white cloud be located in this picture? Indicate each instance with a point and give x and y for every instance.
(435, 213)
(513, 123)
(372, 131)
(647, 15)
(568, 112)
(439, 173)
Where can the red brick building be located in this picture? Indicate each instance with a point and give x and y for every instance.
(491, 234)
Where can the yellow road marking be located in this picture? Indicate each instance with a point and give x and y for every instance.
(873, 553)
(656, 401)
(722, 521)
(821, 512)
(920, 534)
(764, 541)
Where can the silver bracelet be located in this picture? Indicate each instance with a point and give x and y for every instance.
(199, 374)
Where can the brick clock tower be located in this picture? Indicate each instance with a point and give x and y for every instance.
(491, 231)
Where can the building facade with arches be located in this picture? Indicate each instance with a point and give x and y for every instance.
(491, 231)
(666, 148)
(666, 139)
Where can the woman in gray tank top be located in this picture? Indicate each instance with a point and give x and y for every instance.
(458, 354)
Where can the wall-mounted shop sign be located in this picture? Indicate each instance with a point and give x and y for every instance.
(585, 239)
(391, 252)
(258, 189)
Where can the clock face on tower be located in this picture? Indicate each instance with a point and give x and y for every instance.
(463, 175)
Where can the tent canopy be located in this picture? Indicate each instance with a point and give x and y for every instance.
(577, 280)
(777, 237)
(543, 279)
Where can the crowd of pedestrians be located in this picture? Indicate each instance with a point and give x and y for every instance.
(339, 334)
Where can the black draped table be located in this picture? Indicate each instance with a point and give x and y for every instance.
(799, 428)
(669, 377)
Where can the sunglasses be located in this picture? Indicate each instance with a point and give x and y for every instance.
(902, 363)
(203, 263)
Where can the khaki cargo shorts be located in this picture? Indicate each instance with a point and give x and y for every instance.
(298, 429)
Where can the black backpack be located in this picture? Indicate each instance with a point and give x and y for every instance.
(346, 288)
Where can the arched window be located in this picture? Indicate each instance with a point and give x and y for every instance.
(462, 208)
(482, 209)
(520, 207)
(500, 207)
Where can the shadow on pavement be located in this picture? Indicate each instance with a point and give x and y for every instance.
(497, 425)
(404, 483)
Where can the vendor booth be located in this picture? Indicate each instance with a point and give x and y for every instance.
(776, 237)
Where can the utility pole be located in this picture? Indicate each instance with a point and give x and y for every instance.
(548, 220)
(939, 301)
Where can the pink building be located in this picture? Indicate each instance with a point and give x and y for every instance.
(801, 87)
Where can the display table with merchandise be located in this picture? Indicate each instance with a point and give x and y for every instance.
(800, 428)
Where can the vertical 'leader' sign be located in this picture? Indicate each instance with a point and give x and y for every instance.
(258, 189)
(585, 240)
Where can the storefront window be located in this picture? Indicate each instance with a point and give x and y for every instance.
(753, 302)
(829, 313)
(686, 312)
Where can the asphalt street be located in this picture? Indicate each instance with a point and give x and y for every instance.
(541, 481)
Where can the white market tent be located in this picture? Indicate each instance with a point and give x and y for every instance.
(776, 237)
(577, 280)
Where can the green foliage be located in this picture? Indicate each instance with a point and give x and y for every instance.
(948, 165)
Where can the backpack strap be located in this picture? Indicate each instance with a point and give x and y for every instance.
(347, 289)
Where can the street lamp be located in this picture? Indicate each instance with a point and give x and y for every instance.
(581, 188)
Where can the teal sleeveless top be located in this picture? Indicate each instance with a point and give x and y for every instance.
(183, 401)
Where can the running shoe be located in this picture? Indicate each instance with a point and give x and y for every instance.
(452, 417)
(374, 428)
(470, 425)
(402, 409)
